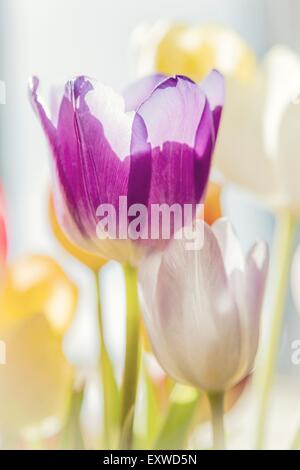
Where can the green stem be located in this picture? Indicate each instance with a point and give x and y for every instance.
(105, 371)
(281, 251)
(130, 376)
(72, 438)
(216, 401)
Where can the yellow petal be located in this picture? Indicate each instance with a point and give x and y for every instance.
(37, 284)
(91, 260)
(195, 50)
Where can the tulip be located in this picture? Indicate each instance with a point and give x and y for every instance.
(37, 304)
(202, 308)
(192, 51)
(266, 112)
(153, 146)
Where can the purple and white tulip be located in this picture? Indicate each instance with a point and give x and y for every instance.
(202, 308)
(153, 145)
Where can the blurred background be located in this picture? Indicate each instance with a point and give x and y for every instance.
(57, 39)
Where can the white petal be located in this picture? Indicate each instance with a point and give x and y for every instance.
(230, 245)
(196, 335)
(240, 151)
(281, 69)
(109, 108)
(288, 159)
(249, 288)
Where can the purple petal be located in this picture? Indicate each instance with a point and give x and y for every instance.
(213, 86)
(175, 126)
(139, 91)
(48, 126)
(172, 112)
(88, 171)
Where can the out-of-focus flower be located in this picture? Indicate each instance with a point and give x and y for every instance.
(262, 103)
(192, 51)
(3, 234)
(202, 308)
(91, 260)
(262, 156)
(37, 304)
(153, 146)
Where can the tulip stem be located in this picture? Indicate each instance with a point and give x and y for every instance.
(281, 251)
(72, 437)
(130, 375)
(216, 401)
(107, 376)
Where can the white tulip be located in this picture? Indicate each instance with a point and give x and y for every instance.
(258, 144)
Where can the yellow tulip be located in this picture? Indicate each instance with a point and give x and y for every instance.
(37, 284)
(91, 260)
(195, 50)
(37, 304)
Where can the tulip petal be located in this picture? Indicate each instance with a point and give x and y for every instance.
(249, 292)
(109, 108)
(193, 303)
(213, 86)
(180, 143)
(140, 90)
(281, 125)
(237, 151)
(179, 103)
(46, 122)
(288, 156)
(281, 69)
(256, 274)
(88, 171)
(229, 244)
